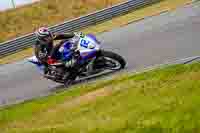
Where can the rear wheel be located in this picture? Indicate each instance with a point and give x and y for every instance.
(113, 61)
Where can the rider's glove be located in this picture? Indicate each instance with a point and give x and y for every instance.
(79, 34)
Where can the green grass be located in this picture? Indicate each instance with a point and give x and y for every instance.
(161, 100)
(17, 22)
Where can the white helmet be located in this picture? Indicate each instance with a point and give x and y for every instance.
(44, 34)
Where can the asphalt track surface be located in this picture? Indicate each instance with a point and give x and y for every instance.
(154, 40)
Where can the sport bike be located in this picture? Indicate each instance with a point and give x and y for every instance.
(92, 60)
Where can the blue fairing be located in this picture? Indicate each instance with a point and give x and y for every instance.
(66, 54)
(93, 37)
(88, 55)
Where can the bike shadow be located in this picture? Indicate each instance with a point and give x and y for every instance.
(83, 80)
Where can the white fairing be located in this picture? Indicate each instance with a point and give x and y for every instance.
(91, 45)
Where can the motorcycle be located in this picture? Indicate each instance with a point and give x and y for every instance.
(92, 60)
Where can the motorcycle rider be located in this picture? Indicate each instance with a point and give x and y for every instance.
(46, 52)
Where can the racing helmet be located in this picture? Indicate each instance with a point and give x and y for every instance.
(43, 34)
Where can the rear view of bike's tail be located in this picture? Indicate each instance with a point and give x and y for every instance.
(37, 63)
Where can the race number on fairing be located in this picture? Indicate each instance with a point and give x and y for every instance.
(84, 43)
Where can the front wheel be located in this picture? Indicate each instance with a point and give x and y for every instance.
(113, 61)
